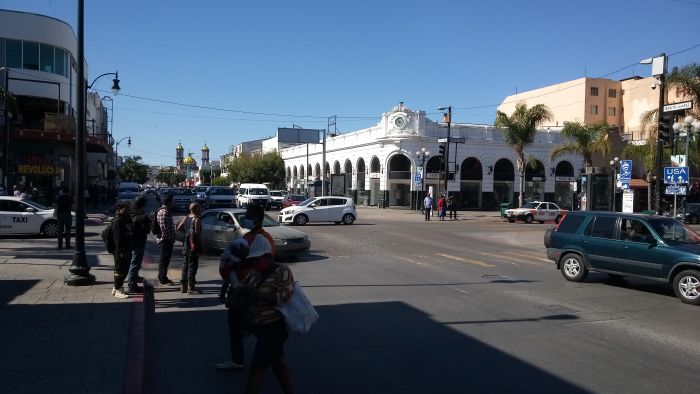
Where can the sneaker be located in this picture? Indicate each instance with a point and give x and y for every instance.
(194, 291)
(139, 279)
(113, 290)
(119, 293)
(229, 366)
(166, 282)
(135, 290)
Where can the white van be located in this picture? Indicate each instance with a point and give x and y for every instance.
(253, 193)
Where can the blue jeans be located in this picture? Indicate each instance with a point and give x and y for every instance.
(135, 266)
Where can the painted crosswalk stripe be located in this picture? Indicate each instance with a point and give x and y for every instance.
(465, 260)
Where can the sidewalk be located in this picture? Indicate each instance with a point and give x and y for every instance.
(60, 338)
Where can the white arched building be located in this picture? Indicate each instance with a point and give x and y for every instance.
(380, 164)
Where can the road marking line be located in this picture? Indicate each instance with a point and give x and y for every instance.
(409, 260)
(506, 258)
(538, 258)
(462, 259)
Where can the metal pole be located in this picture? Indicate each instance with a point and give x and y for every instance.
(659, 143)
(306, 172)
(6, 145)
(323, 166)
(447, 146)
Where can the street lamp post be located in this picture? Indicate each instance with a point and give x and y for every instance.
(80, 270)
(421, 155)
(614, 165)
(448, 115)
(116, 152)
(690, 126)
(658, 70)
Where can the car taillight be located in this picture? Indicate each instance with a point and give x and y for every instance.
(560, 222)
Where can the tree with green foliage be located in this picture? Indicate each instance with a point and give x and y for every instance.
(646, 153)
(266, 169)
(164, 176)
(176, 178)
(519, 131)
(220, 181)
(583, 140)
(133, 170)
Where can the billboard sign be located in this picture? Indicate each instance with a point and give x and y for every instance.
(298, 136)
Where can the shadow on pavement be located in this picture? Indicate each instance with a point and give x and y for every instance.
(384, 347)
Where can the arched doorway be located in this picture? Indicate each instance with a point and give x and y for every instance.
(471, 176)
(317, 172)
(302, 181)
(374, 177)
(534, 181)
(503, 181)
(399, 181)
(347, 171)
(361, 192)
(336, 167)
(563, 189)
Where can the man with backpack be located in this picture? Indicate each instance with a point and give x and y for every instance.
(122, 234)
(142, 226)
(166, 239)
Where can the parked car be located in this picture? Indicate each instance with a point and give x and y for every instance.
(293, 199)
(221, 225)
(320, 209)
(128, 191)
(182, 198)
(536, 210)
(161, 192)
(624, 244)
(276, 198)
(18, 216)
(201, 194)
(692, 214)
(220, 196)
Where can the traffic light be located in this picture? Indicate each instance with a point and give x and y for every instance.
(666, 128)
(442, 150)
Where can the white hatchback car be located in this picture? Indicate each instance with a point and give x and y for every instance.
(320, 209)
(18, 216)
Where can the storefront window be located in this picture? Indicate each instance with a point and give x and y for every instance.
(563, 195)
(534, 191)
(471, 194)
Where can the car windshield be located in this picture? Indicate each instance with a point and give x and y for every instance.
(129, 190)
(258, 192)
(182, 192)
(529, 205)
(36, 204)
(674, 232)
(222, 191)
(297, 198)
(267, 221)
(276, 194)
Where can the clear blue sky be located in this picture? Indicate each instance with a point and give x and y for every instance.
(314, 59)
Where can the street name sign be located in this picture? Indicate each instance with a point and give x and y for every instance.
(677, 190)
(675, 174)
(678, 106)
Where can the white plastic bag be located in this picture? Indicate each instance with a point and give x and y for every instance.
(299, 313)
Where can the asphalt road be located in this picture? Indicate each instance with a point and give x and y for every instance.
(443, 307)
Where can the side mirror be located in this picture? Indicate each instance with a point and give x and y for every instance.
(312, 205)
(30, 209)
(231, 226)
(650, 240)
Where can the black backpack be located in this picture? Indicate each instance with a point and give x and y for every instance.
(155, 227)
(108, 239)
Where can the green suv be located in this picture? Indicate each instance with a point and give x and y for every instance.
(625, 244)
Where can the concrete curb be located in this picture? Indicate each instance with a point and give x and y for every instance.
(135, 368)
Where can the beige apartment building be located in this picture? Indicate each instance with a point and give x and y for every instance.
(596, 100)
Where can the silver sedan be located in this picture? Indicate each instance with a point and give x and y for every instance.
(222, 225)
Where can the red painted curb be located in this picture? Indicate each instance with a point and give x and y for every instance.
(134, 370)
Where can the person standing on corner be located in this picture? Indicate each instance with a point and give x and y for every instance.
(270, 286)
(64, 202)
(441, 206)
(142, 226)
(428, 206)
(123, 232)
(452, 206)
(166, 240)
(191, 225)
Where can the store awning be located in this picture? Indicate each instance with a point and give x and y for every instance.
(638, 183)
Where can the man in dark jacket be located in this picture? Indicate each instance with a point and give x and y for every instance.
(64, 203)
(123, 232)
(142, 226)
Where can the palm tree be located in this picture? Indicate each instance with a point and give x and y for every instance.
(687, 79)
(584, 140)
(519, 131)
(647, 153)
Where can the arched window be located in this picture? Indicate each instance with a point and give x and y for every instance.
(564, 168)
(374, 165)
(504, 171)
(471, 170)
(434, 165)
(348, 167)
(336, 167)
(399, 167)
(536, 172)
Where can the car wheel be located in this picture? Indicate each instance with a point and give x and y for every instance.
(301, 220)
(529, 219)
(511, 220)
(558, 219)
(348, 219)
(573, 268)
(50, 229)
(686, 285)
(548, 236)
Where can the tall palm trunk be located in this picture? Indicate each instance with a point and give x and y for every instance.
(521, 171)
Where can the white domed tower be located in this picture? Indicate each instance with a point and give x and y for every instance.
(205, 154)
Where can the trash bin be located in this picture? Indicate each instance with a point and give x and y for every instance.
(648, 212)
(504, 206)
